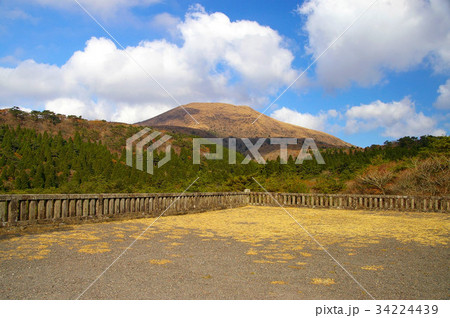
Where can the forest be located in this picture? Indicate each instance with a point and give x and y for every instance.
(38, 157)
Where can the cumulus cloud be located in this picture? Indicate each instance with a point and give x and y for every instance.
(219, 60)
(90, 109)
(443, 100)
(391, 36)
(396, 119)
(74, 106)
(307, 120)
(31, 81)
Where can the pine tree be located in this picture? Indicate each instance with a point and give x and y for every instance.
(39, 177)
(22, 181)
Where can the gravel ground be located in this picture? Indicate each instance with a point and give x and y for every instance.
(248, 253)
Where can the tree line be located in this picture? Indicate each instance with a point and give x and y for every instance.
(32, 162)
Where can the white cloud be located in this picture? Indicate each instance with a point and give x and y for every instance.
(333, 113)
(256, 52)
(91, 109)
(396, 119)
(67, 106)
(443, 100)
(16, 14)
(10, 59)
(240, 62)
(392, 35)
(307, 120)
(25, 109)
(30, 81)
(129, 113)
(165, 21)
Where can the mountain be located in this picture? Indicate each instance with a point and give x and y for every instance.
(44, 152)
(225, 120)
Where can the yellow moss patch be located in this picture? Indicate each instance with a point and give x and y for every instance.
(278, 282)
(40, 255)
(372, 267)
(263, 261)
(82, 235)
(252, 252)
(296, 267)
(258, 226)
(174, 237)
(210, 235)
(139, 237)
(323, 281)
(35, 257)
(160, 261)
(306, 254)
(279, 256)
(94, 248)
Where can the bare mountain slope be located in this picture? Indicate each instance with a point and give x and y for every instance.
(225, 120)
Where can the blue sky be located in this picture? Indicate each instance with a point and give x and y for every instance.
(386, 77)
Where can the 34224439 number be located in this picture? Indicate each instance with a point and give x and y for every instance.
(405, 310)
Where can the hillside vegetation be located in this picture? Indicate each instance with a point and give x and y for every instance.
(43, 152)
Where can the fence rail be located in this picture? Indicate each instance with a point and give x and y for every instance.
(47, 208)
(353, 201)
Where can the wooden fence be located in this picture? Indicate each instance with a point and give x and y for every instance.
(48, 208)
